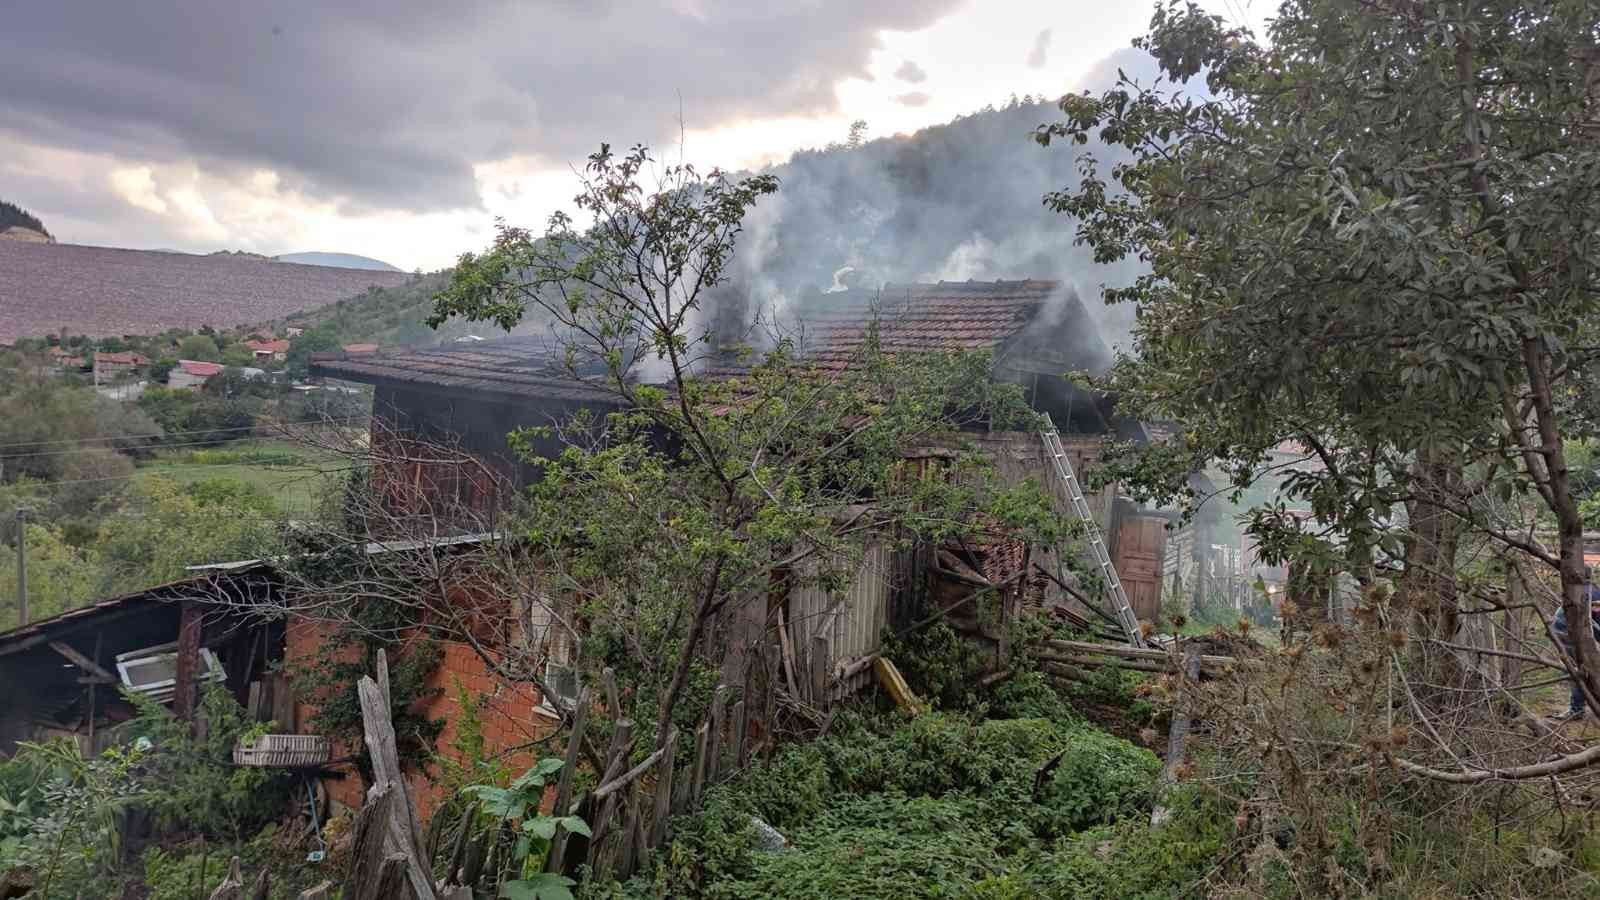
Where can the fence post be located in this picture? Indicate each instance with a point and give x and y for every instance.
(697, 777)
(621, 742)
(741, 722)
(563, 804)
(658, 826)
(719, 705)
(818, 660)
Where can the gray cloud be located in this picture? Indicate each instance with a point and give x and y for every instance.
(914, 98)
(390, 104)
(1041, 50)
(911, 72)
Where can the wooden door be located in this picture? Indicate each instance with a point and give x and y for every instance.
(1140, 542)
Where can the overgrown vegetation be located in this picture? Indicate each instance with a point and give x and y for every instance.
(63, 811)
(942, 805)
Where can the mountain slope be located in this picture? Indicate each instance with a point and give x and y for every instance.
(103, 291)
(337, 260)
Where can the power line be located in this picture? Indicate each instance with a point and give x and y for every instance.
(308, 471)
(135, 437)
(153, 447)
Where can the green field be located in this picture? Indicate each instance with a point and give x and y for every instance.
(296, 476)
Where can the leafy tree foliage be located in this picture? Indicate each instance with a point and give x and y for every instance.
(200, 347)
(1374, 235)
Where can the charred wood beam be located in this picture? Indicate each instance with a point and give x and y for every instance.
(83, 662)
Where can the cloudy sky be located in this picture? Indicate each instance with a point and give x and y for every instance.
(400, 129)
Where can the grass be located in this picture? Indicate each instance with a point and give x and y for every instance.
(298, 487)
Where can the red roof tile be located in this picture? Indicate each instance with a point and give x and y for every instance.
(198, 368)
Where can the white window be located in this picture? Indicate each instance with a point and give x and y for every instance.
(548, 639)
(154, 670)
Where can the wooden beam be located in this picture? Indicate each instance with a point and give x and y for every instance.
(184, 700)
(81, 661)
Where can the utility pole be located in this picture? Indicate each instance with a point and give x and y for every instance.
(22, 566)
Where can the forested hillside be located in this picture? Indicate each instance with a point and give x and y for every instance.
(14, 215)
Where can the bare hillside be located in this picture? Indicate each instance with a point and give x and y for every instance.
(101, 291)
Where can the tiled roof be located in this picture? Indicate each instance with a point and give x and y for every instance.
(127, 358)
(199, 369)
(949, 315)
(268, 346)
(360, 348)
(518, 366)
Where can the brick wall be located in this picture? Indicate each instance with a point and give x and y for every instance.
(510, 714)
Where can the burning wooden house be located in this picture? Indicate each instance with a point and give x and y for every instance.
(468, 397)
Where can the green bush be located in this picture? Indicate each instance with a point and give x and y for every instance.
(200, 788)
(940, 804)
(174, 875)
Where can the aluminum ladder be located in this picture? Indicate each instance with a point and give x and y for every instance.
(1097, 544)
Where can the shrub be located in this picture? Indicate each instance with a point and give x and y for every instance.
(200, 788)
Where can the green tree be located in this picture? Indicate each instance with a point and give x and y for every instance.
(674, 540)
(60, 576)
(163, 527)
(321, 339)
(200, 347)
(1373, 235)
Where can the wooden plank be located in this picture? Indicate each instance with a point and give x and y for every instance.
(232, 886)
(1177, 734)
(621, 782)
(81, 661)
(408, 809)
(698, 774)
(787, 647)
(383, 679)
(1125, 652)
(617, 758)
(320, 892)
(608, 677)
(714, 742)
(741, 725)
(378, 731)
(819, 664)
(658, 824)
(895, 684)
(282, 702)
(252, 708)
(627, 834)
(569, 769)
(184, 700)
(93, 694)
(368, 846)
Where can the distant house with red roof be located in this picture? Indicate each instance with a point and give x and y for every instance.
(192, 374)
(359, 349)
(277, 350)
(110, 366)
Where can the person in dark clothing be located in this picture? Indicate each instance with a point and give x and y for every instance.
(1591, 593)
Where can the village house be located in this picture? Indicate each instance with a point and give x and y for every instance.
(275, 350)
(192, 374)
(468, 397)
(113, 366)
